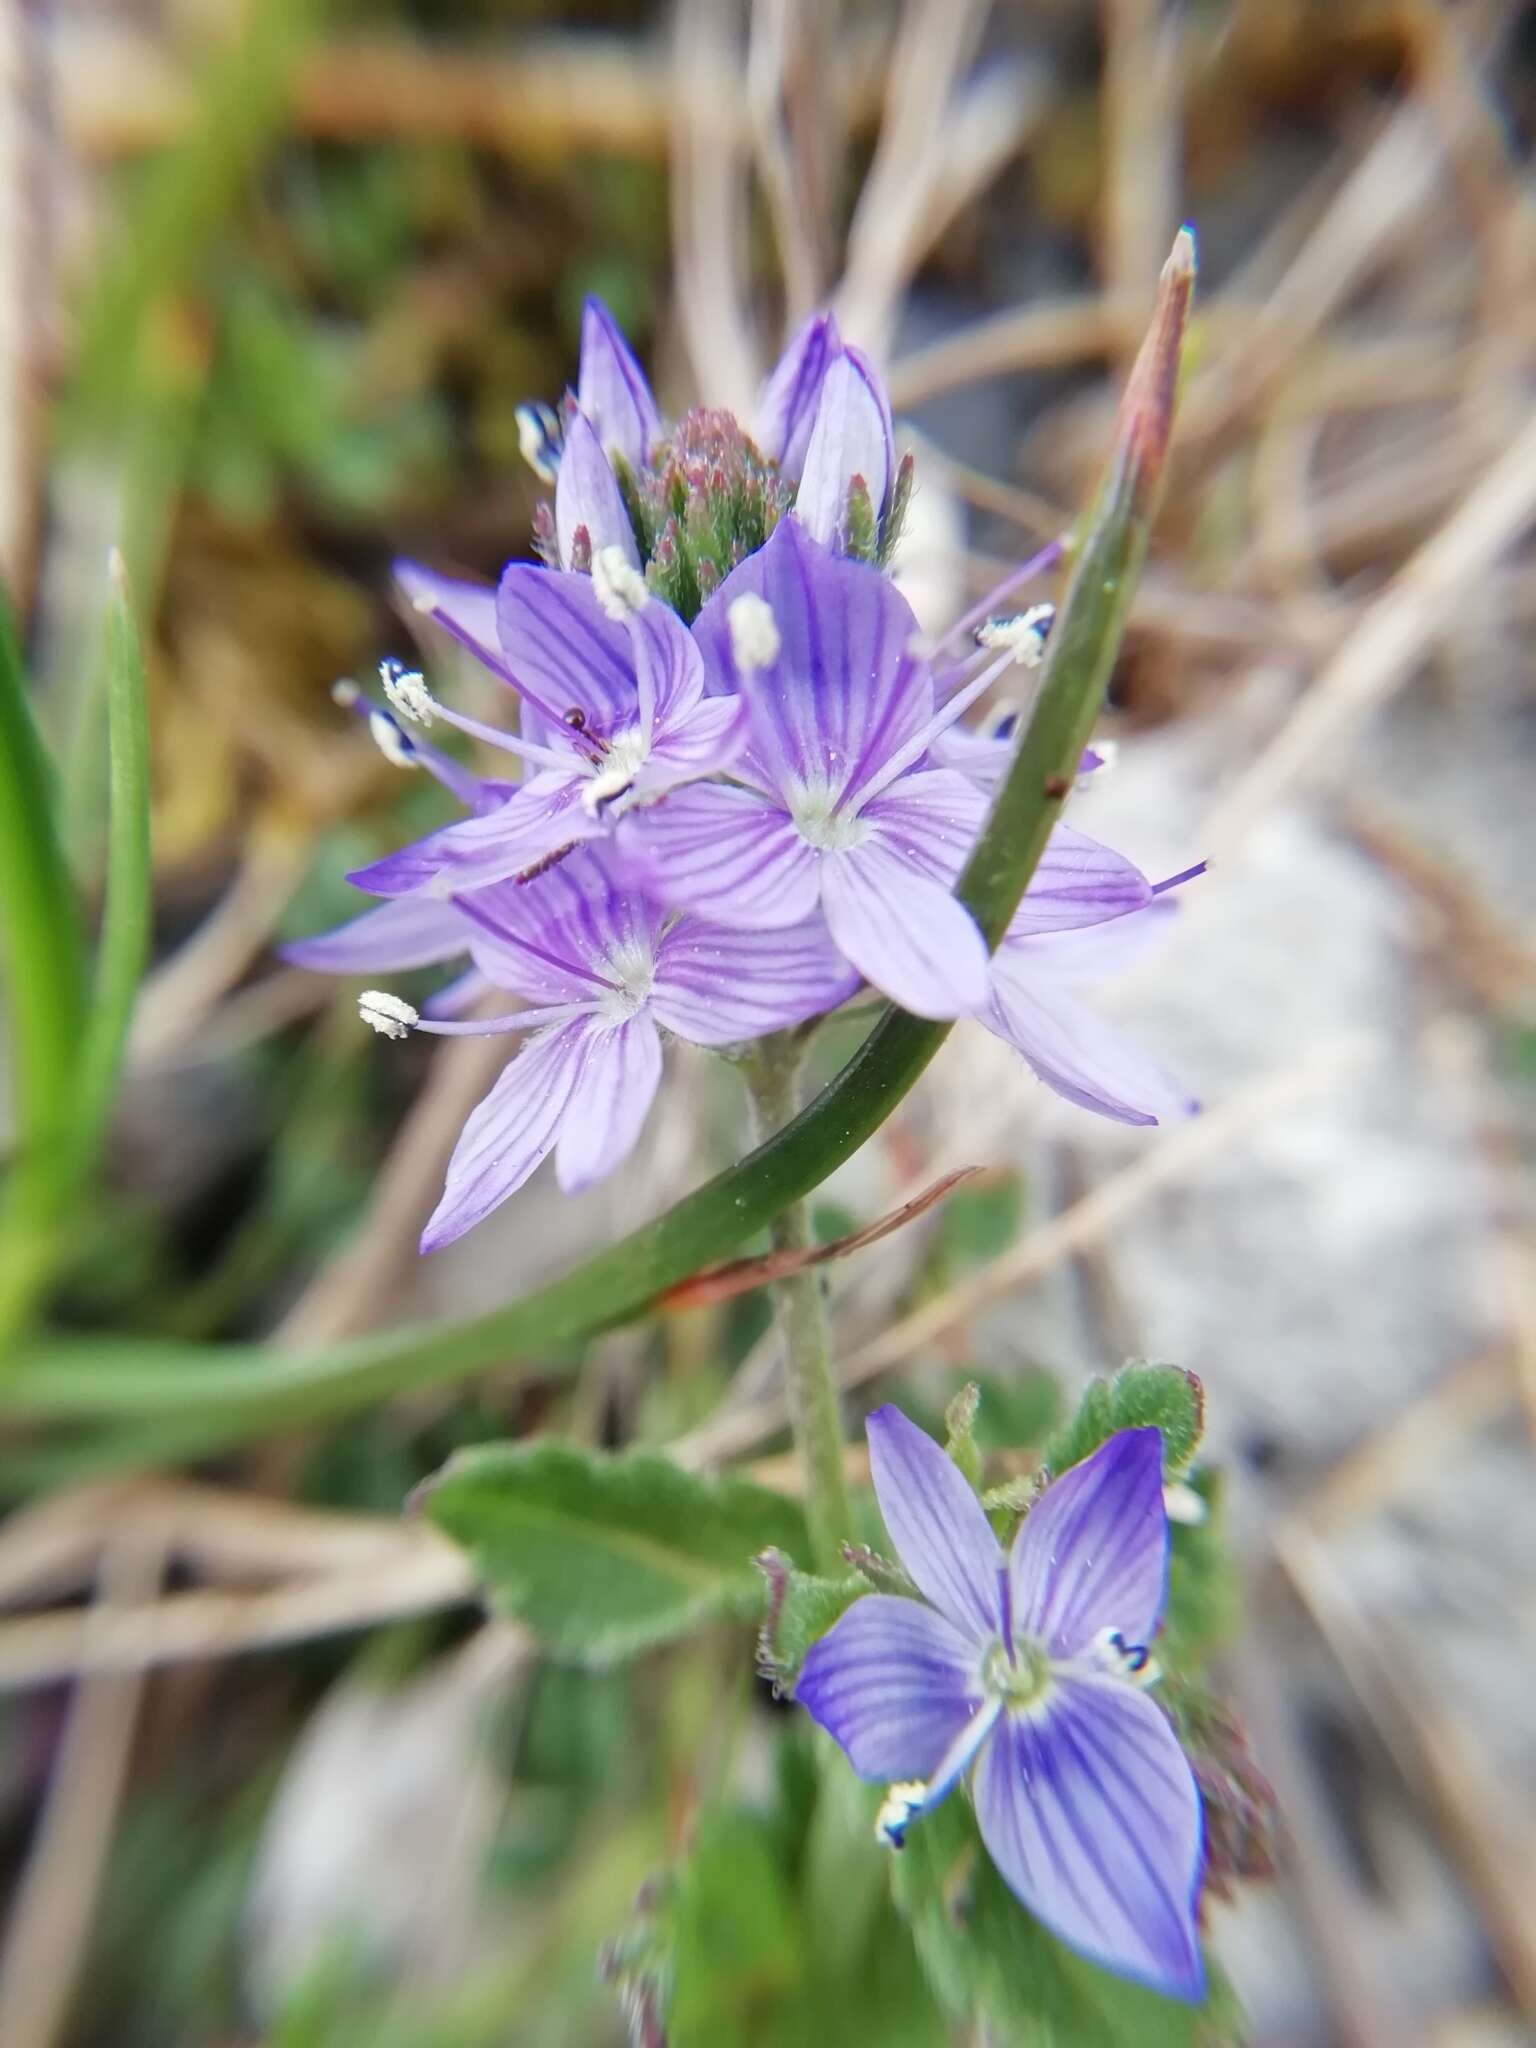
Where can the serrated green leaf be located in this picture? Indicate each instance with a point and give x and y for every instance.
(801, 1608)
(986, 1957)
(1140, 1395)
(603, 1556)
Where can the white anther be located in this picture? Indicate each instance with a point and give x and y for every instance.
(900, 1807)
(406, 689)
(755, 640)
(391, 741)
(538, 439)
(1181, 1503)
(391, 1016)
(1023, 635)
(345, 693)
(618, 583)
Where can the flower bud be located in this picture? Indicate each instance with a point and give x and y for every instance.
(587, 496)
(786, 405)
(613, 392)
(851, 438)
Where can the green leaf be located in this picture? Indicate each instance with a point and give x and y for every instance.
(603, 1556)
(986, 1957)
(128, 908)
(801, 1608)
(192, 1401)
(1140, 1395)
(43, 962)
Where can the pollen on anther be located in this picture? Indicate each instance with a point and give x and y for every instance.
(406, 689)
(390, 1015)
(1023, 635)
(755, 639)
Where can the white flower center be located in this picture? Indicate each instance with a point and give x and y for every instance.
(633, 970)
(611, 777)
(819, 821)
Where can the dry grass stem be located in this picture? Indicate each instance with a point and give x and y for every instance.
(55, 1902)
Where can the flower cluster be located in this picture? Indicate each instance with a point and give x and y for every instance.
(743, 787)
(1027, 1674)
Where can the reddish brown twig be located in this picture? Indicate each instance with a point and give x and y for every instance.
(739, 1276)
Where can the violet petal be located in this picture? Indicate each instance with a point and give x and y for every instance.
(543, 815)
(728, 853)
(905, 934)
(412, 931)
(565, 651)
(938, 1526)
(1078, 882)
(468, 609)
(620, 1071)
(845, 692)
(510, 1132)
(892, 1683)
(1090, 1812)
(1092, 1553)
(719, 986)
(1075, 1052)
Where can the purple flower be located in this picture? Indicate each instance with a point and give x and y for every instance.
(614, 711)
(606, 970)
(832, 803)
(1021, 1670)
(613, 391)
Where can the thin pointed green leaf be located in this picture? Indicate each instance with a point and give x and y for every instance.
(127, 906)
(201, 1399)
(41, 958)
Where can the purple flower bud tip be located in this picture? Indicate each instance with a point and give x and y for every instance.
(1024, 1673)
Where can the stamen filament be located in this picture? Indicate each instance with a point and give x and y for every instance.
(1174, 881)
(553, 712)
(492, 1027)
(493, 736)
(920, 742)
(1037, 565)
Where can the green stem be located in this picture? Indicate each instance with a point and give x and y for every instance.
(772, 1072)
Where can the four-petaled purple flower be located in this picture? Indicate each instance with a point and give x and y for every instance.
(614, 711)
(605, 969)
(1022, 1671)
